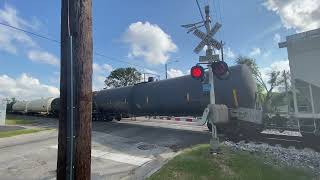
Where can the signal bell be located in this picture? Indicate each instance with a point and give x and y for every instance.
(197, 72)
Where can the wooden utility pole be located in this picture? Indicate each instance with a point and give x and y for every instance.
(76, 24)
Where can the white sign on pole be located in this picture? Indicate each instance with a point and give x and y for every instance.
(3, 107)
(210, 58)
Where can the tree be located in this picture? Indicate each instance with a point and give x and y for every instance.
(264, 91)
(273, 82)
(122, 77)
(284, 81)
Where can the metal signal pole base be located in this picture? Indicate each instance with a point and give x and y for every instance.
(208, 117)
(214, 140)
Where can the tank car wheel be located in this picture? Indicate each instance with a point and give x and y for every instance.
(109, 118)
(209, 126)
(94, 118)
(118, 117)
(105, 117)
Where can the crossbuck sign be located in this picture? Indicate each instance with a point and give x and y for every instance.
(207, 38)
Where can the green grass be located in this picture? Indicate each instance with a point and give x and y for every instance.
(13, 120)
(197, 163)
(18, 122)
(21, 131)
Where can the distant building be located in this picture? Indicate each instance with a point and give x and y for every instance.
(304, 60)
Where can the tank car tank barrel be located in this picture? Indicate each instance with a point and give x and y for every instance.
(177, 96)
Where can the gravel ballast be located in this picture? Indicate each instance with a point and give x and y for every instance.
(298, 158)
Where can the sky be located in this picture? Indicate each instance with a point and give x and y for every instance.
(144, 34)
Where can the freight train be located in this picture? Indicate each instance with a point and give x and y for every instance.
(45, 106)
(181, 96)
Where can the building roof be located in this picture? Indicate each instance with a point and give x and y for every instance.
(304, 35)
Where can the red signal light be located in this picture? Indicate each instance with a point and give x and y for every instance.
(220, 69)
(197, 72)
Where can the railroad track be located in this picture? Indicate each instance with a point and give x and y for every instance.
(297, 142)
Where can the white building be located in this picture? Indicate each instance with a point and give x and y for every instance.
(304, 60)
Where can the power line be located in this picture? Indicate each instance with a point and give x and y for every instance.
(215, 10)
(58, 42)
(220, 15)
(32, 33)
(200, 10)
(118, 60)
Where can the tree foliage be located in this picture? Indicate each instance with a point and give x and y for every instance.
(265, 88)
(122, 77)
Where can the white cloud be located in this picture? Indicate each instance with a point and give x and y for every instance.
(276, 38)
(10, 15)
(98, 82)
(150, 42)
(228, 53)
(100, 72)
(43, 57)
(101, 68)
(55, 78)
(255, 52)
(265, 33)
(25, 87)
(301, 15)
(276, 66)
(280, 65)
(205, 48)
(148, 73)
(12, 41)
(9, 38)
(172, 73)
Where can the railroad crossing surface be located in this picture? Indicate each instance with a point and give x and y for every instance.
(126, 149)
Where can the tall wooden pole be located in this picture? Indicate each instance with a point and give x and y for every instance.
(80, 28)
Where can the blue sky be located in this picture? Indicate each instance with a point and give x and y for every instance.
(250, 28)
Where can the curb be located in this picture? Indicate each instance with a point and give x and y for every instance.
(184, 119)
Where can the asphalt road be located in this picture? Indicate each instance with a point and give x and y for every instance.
(120, 150)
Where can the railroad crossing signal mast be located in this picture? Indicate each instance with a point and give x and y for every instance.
(215, 67)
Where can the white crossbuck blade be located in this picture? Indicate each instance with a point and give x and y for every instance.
(207, 38)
